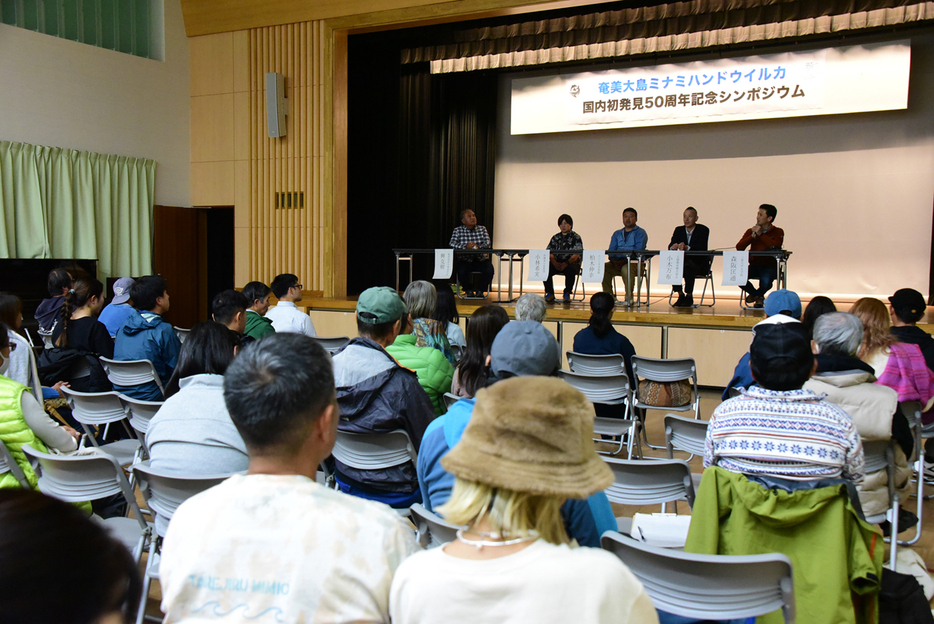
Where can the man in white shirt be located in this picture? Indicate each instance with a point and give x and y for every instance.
(285, 316)
(273, 542)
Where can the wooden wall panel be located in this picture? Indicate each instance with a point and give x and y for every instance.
(715, 351)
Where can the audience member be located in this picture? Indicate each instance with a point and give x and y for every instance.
(446, 313)
(375, 394)
(816, 307)
(782, 306)
(472, 372)
(273, 541)
(469, 235)
(23, 421)
(58, 566)
(80, 329)
(145, 335)
(692, 236)
(433, 370)
(600, 337)
(898, 365)
(907, 307)
(531, 307)
(192, 432)
(630, 238)
(776, 427)
(285, 315)
(257, 325)
(420, 297)
(119, 308)
(229, 309)
(521, 349)
(568, 265)
(763, 236)
(22, 367)
(848, 384)
(48, 313)
(527, 449)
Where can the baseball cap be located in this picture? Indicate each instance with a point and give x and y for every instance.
(122, 290)
(909, 304)
(524, 348)
(783, 300)
(381, 304)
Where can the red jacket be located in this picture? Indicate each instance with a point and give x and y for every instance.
(774, 237)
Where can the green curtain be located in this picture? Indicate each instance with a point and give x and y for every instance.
(62, 203)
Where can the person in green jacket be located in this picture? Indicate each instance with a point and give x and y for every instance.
(434, 371)
(257, 325)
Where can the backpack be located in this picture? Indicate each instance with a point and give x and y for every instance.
(63, 363)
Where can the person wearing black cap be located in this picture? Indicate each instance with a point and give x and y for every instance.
(778, 429)
(907, 307)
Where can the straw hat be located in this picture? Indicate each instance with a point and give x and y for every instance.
(531, 434)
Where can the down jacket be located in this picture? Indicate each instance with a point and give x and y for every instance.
(434, 371)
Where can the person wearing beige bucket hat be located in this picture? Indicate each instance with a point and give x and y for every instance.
(527, 448)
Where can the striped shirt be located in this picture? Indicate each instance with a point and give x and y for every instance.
(793, 435)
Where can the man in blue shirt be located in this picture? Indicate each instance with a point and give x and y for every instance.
(630, 238)
(522, 348)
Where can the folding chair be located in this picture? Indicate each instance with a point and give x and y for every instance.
(78, 478)
(912, 411)
(450, 399)
(100, 409)
(609, 390)
(182, 333)
(375, 451)
(131, 373)
(332, 344)
(649, 483)
(431, 529)
(708, 279)
(880, 455)
(587, 364)
(664, 371)
(579, 281)
(8, 464)
(708, 587)
(461, 292)
(458, 351)
(164, 492)
(140, 413)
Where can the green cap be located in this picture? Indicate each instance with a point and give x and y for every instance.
(380, 305)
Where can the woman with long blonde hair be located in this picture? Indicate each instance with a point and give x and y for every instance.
(527, 448)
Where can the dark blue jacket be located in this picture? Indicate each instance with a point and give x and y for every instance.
(153, 340)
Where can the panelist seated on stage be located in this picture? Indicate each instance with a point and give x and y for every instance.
(630, 238)
(763, 236)
(564, 264)
(469, 235)
(692, 236)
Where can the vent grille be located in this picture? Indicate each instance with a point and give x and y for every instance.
(290, 199)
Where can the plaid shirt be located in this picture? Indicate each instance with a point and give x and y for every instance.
(562, 242)
(461, 236)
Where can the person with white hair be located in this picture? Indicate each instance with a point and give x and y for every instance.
(531, 307)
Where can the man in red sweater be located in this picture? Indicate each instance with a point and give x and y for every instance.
(761, 237)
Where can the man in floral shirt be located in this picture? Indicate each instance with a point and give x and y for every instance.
(567, 265)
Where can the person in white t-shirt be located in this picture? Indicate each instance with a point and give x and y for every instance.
(273, 542)
(285, 316)
(528, 447)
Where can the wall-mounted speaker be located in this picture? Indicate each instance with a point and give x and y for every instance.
(276, 104)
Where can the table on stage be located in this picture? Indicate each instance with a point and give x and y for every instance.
(642, 257)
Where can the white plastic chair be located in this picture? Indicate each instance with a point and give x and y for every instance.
(8, 464)
(164, 492)
(140, 413)
(880, 455)
(332, 344)
(131, 373)
(182, 333)
(648, 483)
(587, 364)
(431, 529)
(609, 390)
(100, 409)
(708, 587)
(374, 451)
(77, 478)
(664, 371)
(450, 399)
(912, 411)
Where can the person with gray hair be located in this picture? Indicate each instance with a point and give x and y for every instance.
(849, 383)
(531, 307)
(420, 299)
(273, 540)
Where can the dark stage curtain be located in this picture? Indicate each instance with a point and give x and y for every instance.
(421, 149)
